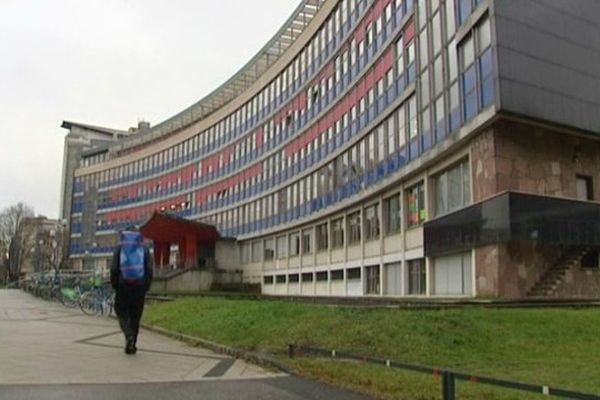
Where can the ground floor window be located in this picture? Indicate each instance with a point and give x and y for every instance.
(322, 276)
(393, 279)
(417, 277)
(308, 277)
(373, 282)
(337, 275)
(452, 275)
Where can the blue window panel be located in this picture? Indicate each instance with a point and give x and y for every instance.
(371, 113)
(411, 72)
(381, 103)
(485, 64)
(381, 170)
(426, 139)
(465, 7)
(440, 131)
(470, 105)
(414, 149)
(487, 92)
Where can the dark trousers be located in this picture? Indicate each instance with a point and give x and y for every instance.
(129, 306)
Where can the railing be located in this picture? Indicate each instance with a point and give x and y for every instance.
(448, 377)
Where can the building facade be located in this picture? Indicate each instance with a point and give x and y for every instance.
(384, 148)
(43, 247)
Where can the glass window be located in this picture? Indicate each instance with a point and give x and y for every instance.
(400, 56)
(413, 128)
(452, 61)
(450, 18)
(466, 52)
(337, 233)
(282, 247)
(415, 205)
(452, 188)
(372, 222)
(257, 252)
(422, 4)
(401, 126)
(307, 241)
(322, 237)
(438, 76)
(353, 274)
(423, 49)
(269, 249)
(437, 34)
(373, 282)
(337, 275)
(321, 276)
(484, 34)
(354, 227)
(425, 88)
(246, 250)
(294, 244)
(392, 214)
(416, 277)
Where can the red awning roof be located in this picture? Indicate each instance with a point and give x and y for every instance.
(169, 228)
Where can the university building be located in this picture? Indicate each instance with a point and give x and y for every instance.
(377, 148)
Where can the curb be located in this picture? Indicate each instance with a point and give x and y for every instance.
(260, 359)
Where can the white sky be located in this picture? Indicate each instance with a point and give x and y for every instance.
(110, 63)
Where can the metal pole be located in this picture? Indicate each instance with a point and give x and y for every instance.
(448, 386)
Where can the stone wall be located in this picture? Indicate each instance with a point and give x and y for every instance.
(579, 283)
(193, 280)
(486, 270)
(519, 157)
(523, 265)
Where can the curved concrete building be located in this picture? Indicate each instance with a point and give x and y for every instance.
(377, 148)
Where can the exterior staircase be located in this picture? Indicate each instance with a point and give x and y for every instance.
(553, 277)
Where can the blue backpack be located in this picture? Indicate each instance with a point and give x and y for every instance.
(132, 257)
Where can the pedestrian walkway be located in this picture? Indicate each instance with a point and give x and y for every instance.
(49, 351)
(47, 343)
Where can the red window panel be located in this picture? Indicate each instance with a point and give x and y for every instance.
(302, 99)
(409, 32)
(259, 140)
(378, 8)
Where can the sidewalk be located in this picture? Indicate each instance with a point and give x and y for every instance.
(46, 343)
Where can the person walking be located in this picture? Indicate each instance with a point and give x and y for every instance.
(130, 277)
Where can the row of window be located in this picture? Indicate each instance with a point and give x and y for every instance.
(451, 190)
(416, 278)
(379, 154)
(193, 177)
(272, 96)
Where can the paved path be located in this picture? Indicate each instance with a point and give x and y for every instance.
(50, 352)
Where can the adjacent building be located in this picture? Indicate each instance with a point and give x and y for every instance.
(380, 148)
(43, 245)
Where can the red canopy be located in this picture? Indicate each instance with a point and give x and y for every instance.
(165, 229)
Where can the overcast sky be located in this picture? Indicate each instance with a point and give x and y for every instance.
(110, 63)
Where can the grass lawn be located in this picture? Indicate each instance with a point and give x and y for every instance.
(557, 347)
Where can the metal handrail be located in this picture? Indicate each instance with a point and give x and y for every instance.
(448, 377)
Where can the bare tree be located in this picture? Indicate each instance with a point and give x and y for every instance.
(50, 248)
(15, 234)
